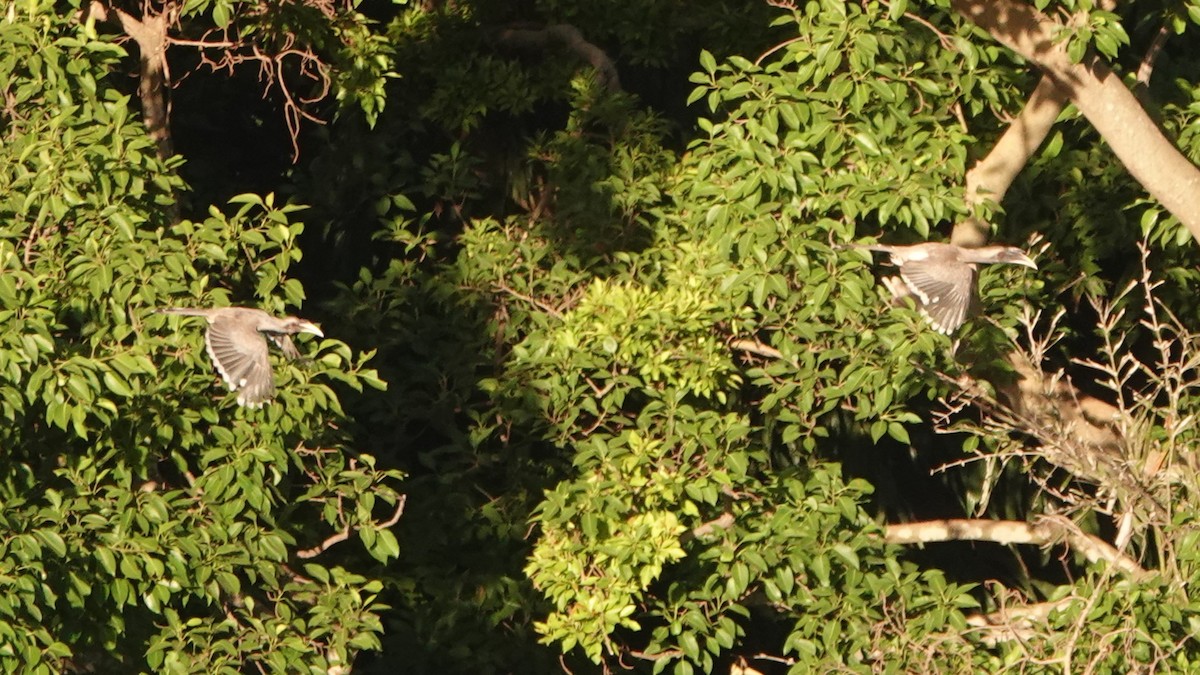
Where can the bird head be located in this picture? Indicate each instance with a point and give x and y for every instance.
(297, 325)
(1015, 256)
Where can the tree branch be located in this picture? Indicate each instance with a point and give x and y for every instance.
(1146, 68)
(991, 176)
(338, 538)
(500, 286)
(1014, 623)
(722, 522)
(1044, 532)
(757, 348)
(150, 34)
(568, 36)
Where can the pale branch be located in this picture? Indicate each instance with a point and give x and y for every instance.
(722, 522)
(990, 177)
(757, 348)
(329, 543)
(206, 44)
(656, 656)
(1014, 623)
(785, 660)
(1101, 96)
(1146, 67)
(569, 37)
(1043, 532)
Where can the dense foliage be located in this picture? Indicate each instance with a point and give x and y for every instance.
(147, 520)
(601, 388)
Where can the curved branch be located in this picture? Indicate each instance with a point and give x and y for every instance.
(568, 36)
(757, 348)
(1015, 623)
(339, 537)
(1044, 532)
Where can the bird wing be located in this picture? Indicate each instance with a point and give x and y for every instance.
(239, 353)
(945, 291)
(285, 344)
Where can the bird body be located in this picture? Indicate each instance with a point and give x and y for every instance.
(236, 341)
(942, 276)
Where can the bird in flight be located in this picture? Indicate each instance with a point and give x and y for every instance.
(942, 277)
(236, 341)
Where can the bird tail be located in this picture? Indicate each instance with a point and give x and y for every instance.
(883, 248)
(186, 311)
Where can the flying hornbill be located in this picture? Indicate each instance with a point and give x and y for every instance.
(942, 276)
(237, 344)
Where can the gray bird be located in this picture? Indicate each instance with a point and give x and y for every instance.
(237, 344)
(942, 276)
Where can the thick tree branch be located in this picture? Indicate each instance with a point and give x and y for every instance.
(1044, 532)
(757, 348)
(1101, 96)
(991, 176)
(150, 34)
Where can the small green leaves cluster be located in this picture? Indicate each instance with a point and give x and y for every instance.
(607, 537)
(1100, 31)
(663, 338)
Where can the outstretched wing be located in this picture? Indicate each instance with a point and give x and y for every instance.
(945, 291)
(285, 344)
(239, 353)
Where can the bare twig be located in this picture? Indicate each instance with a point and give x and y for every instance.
(646, 656)
(762, 57)
(338, 538)
(787, 661)
(504, 288)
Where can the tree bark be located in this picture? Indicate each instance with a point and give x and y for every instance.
(150, 34)
(991, 176)
(1100, 95)
(1045, 532)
